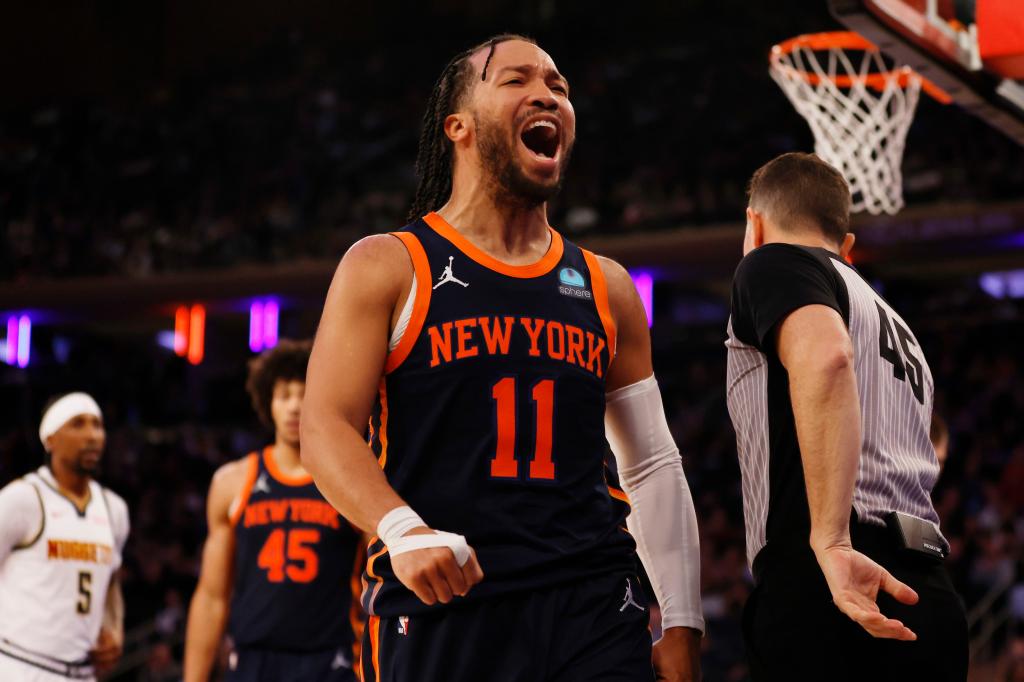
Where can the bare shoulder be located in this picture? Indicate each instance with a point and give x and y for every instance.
(622, 296)
(227, 484)
(375, 271)
(378, 252)
(231, 475)
(633, 343)
(615, 276)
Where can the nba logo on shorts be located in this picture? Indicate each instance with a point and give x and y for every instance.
(403, 625)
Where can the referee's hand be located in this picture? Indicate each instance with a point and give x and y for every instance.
(855, 581)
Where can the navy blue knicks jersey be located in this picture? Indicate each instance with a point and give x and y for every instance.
(295, 558)
(490, 419)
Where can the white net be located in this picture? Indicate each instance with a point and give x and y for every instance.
(859, 113)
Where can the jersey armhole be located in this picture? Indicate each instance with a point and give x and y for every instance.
(600, 288)
(238, 504)
(421, 269)
(42, 521)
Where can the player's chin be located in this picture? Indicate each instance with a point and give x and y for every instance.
(89, 463)
(290, 436)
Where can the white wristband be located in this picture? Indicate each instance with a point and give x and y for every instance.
(396, 523)
(439, 538)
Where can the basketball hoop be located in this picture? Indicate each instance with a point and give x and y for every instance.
(859, 112)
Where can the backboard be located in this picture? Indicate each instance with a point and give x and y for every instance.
(972, 49)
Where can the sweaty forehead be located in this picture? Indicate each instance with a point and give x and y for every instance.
(511, 53)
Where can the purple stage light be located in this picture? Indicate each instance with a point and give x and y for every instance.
(644, 283)
(270, 317)
(24, 341)
(256, 326)
(11, 356)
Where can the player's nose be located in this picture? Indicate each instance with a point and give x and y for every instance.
(543, 99)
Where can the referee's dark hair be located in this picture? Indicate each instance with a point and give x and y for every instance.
(286, 361)
(434, 158)
(798, 191)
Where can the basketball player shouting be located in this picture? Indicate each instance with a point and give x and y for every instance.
(278, 560)
(61, 539)
(486, 348)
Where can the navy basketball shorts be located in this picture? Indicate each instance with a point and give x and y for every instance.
(593, 630)
(263, 665)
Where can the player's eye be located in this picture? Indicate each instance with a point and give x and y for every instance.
(514, 81)
(561, 89)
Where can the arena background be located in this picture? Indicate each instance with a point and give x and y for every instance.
(163, 158)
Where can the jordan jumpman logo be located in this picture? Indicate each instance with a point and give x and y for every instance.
(628, 599)
(447, 276)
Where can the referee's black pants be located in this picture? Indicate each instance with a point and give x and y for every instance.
(793, 631)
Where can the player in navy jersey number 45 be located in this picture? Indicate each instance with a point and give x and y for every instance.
(280, 564)
(488, 355)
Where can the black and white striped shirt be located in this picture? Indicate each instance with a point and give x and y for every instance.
(898, 467)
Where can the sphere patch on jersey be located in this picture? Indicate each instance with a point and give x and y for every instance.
(572, 284)
(571, 277)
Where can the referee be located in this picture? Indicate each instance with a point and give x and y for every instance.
(831, 399)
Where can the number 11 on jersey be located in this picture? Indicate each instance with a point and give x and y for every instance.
(504, 464)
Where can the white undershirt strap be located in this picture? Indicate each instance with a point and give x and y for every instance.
(404, 317)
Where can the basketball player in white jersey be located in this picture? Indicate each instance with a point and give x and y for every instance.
(61, 539)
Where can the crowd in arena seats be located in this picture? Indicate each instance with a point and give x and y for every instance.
(302, 150)
(169, 429)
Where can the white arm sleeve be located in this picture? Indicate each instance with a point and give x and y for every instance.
(21, 516)
(663, 521)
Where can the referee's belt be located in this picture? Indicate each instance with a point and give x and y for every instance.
(75, 670)
(909, 543)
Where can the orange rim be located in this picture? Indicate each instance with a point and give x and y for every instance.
(850, 40)
(844, 40)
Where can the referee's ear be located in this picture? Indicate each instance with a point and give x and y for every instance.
(754, 236)
(847, 246)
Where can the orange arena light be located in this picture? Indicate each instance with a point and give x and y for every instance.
(196, 334)
(181, 331)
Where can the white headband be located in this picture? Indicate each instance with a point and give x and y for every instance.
(64, 410)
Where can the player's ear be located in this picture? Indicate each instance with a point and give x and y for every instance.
(847, 246)
(458, 127)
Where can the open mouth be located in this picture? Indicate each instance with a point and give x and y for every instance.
(541, 137)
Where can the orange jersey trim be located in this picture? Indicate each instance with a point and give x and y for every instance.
(378, 581)
(541, 267)
(619, 495)
(421, 266)
(601, 301)
(356, 612)
(383, 432)
(374, 625)
(280, 476)
(243, 494)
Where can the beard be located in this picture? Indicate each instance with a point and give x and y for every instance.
(511, 184)
(83, 467)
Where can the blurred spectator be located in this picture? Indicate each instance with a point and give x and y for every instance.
(274, 159)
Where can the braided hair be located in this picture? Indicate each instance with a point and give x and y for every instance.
(434, 158)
